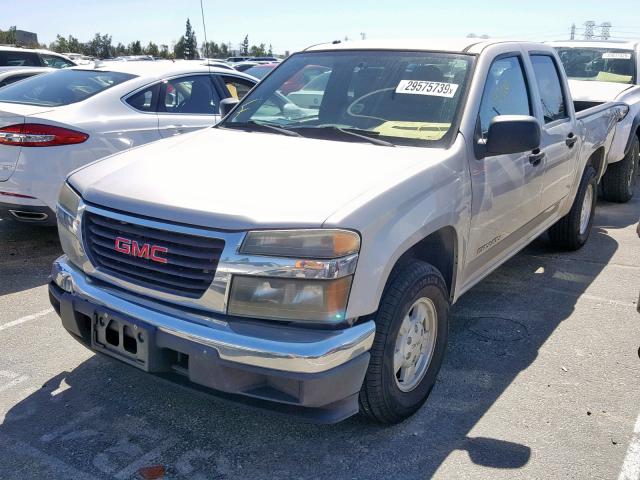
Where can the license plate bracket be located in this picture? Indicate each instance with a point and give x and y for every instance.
(128, 340)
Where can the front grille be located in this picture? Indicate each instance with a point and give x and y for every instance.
(191, 260)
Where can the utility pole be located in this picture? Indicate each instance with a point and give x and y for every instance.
(573, 31)
(588, 29)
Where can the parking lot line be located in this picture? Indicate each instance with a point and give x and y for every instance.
(59, 468)
(27, 318)
(631, 466)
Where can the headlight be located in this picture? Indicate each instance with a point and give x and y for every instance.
(68, 206)
(310, 282)
(69, 213)
(289, 299)
(316, 244)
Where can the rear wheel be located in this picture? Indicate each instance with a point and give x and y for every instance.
(572, 231)
(410, 342)
(619, 181)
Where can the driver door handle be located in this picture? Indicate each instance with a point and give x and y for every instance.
(536, 157)
(571, 140)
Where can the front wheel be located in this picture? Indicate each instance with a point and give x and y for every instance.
(619, 181)
(572, 231)
(409, 346)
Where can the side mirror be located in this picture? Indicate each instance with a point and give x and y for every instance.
(227, 104)
(510, 134)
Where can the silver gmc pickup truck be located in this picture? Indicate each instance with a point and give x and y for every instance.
(303, 256)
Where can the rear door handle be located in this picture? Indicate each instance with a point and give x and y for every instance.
(536, 157)
(571, 140)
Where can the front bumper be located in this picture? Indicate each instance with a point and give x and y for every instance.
(312, 373)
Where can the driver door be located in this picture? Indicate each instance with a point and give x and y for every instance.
(506, 188)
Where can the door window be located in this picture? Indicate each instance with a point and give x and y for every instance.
(9, 58)
(194, 94)
(551, 94)
(55, 61)
(237, 87)
(505, 92)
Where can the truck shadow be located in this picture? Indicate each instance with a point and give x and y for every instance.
(26, 255)
(103, 417)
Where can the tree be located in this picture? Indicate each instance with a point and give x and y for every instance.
(164, 51)
(135, 48)
(152, 49)
(121, 50)
(244, 46)
(8, 36)
(258, 51)
(190, 50)
(99, 47)
(224, 50)
(178, 48)
(211, 50)
(270, 52)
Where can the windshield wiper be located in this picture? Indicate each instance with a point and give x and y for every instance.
(366, 135)
(264, 126)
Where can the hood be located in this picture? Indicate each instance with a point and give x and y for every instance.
(237, 180)
(593, 91)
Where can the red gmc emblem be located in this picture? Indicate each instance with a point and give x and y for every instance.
(146, 250)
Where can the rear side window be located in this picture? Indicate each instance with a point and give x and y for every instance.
(14, 79)
(505, 92)
(62, 87)
(551, 95)
(145, 100)
(19, 59)
(55, 61)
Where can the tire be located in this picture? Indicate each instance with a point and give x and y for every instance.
(619, 181)
(382, 398)
(570, 233)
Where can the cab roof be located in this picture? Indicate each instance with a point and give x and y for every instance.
(619, 44)
(449, 45)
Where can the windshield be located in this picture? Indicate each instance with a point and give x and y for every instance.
(259, 71)
(62, 87)
(599, 64)
(401, 98)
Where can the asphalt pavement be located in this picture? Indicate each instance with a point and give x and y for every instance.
(541, 380)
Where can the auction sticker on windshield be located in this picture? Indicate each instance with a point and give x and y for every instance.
(425, 87)
(614, 55)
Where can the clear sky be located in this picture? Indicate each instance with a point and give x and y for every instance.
(294, 24)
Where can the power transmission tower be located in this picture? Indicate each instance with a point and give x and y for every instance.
(573, 31)
(588, 29)
(605, 30)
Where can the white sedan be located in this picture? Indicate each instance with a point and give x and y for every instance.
(54, 123)
(10, 76)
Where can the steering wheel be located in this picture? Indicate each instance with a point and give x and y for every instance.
(350, 109)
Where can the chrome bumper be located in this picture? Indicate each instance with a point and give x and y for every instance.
(258, 343)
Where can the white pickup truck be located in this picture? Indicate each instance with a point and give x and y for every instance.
(604, 71)
(312, 270)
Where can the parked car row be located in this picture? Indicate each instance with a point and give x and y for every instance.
(312, 272)
(71, 117)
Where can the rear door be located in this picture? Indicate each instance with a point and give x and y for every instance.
(142, 125)
(187, 103)
(558, 128)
